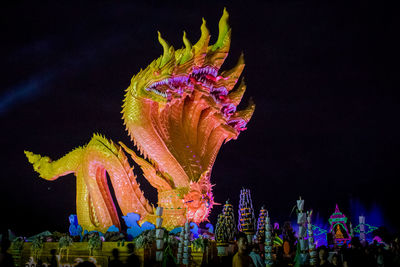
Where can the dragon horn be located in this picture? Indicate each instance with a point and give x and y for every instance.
(187, 54)
(168, 51)
(247, 113)
(224, 36)
(217, 53)
(200, 48)
(231, 76)
(236, 95)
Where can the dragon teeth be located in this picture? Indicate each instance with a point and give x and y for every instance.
(205, 70)
(198, 73)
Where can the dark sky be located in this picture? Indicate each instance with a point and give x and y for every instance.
(324, 128)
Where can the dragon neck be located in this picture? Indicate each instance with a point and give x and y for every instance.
(186, 132)
(138, 115)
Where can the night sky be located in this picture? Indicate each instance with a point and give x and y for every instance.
(325, 127)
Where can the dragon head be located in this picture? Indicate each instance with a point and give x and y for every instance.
(199, 200)
(181, 108)
(194, 67)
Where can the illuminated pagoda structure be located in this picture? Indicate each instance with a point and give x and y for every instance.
(247, 220)
(261, 225)
(338, 227)
(225, 230)
(221, 236)
(230, 224)
(221, 233)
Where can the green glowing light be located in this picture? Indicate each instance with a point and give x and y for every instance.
(368, 228)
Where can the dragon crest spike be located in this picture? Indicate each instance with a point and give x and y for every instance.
(187, 54)
(236, 96)
(201, 46)
(231, 76)
(248, 112)
(217, 53)
(168, 51)
(224, 32)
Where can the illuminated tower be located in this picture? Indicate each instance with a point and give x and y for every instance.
(338, 227)
(247, 220)
(311, 243)
(230, 224)
(261, 225)
(268, 241)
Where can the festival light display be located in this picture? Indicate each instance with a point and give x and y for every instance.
(319, 231)
(178, 112)
(159, 235)
(368, 228)
(338, 227)
(302, 234)
(362, 235)
(247, 221)
(311, 242)
(268, 241)
(230, 223)
(320, 237)
(225, 230)
(261, 225)
(221, 233)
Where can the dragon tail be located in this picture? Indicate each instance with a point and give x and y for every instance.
(91, 164)
(51, 170)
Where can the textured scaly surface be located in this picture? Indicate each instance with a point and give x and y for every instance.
(178, 112)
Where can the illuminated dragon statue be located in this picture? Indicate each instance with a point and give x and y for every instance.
(178, 112)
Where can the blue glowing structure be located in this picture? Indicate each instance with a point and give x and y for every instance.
(74, 229)
(210, 228)
(134, 230)
(113, 229)
(194, 229)
(320, 237)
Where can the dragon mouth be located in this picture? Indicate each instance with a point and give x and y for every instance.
(177, 85)
(238, 124)
(206, 77)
